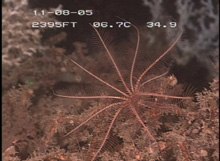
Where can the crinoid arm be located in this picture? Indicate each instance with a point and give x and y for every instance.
(112, 60)
(142, 123)
(154, 78)
(156, 61)
(163, 96)
(89, 97)
(92, 116)
(135, 54)
(107, 133)
(96, 77)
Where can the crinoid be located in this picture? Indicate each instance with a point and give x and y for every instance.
(139, 96)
